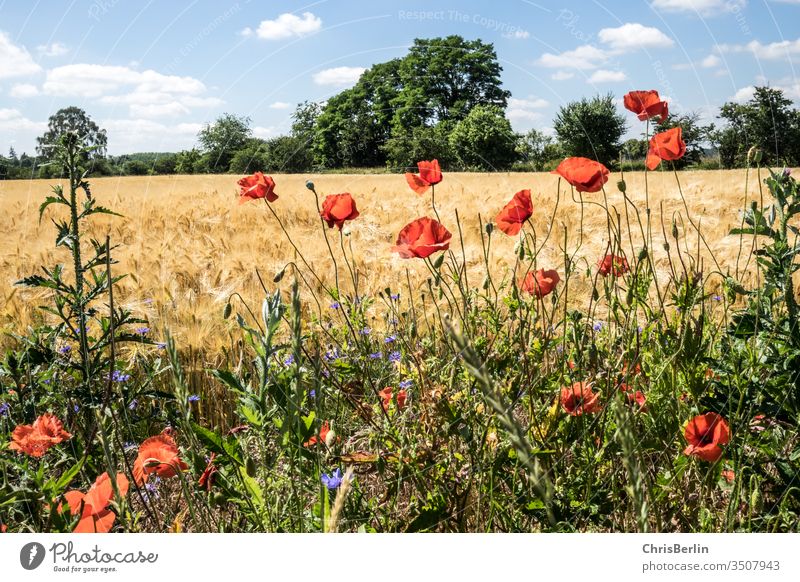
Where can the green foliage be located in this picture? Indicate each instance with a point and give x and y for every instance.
(222, 139)
(404, 149)
(536, 151)
(72, 120)
(484, 140)
(591, 128)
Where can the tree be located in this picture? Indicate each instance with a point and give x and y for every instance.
(694, 134)
(12, 155)
(766, 121)
(72, 119)
(304, 120)
(404, 150)
(536, 150)
(591, 128)
(222, 139)
(484, 140)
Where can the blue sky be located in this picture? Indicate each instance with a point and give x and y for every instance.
(152, 73)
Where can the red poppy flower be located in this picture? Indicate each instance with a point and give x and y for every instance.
(429, 175)
(386, 397)
(322, 438)
(337, 208)
(613, 265)
(34, 439)
(633, 370)
(402, 395)
(257, 186)
(634, 396)
(422, 238)
(515, 213)
(541, 283)
(705, 433)
(729, 475)
(206, 480)
(93, 505)
(667, 145)
(157, 454)
(3, 528)
(579, 399)
(646, 105)
(584, 174)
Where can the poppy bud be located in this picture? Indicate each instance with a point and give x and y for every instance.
(754, 154)
(250, 467)
(437, 264)
(675, 230)
(621, 186)
(486, 282)
(310, 185)
(489, 228)
(330, 438)
(521, 251)
(226, 313)
(279, 275)
(629, 296)
(642, 254)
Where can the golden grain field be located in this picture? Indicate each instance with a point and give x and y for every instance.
(188, 244)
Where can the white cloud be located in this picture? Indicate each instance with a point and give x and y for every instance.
(55, 49)
(132, 135)
(338, 76)
(710, 62)
(14, 124)
(633, 36)
(561, 76)
(525, 109)
(744, 94)
(23, 91)
(604, 76)
(15, 61)
(535, 103)
(582, 58)
(704, 7)
(286, 25)
(147, 93)
(772, 51)
(280, 105)
(265, 132)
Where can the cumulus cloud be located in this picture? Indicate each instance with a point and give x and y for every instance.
(338, 76)
(772, 51)
(633, 36)
(55, 49)
(604, 76)
(130, 135)
(561, 76)
(744, 94)
(583, 57)
(23, 91)
(704, 7)
(525, 109)
(15, 61)
(147, 93)
(280, 105)
(287, 25)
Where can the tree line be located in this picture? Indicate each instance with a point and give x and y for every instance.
(444, 99)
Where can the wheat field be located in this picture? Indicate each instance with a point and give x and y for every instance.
(188, 245)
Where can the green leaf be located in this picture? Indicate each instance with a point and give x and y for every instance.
(47, 202)
(68, 475)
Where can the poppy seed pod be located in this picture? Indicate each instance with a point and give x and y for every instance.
(226, 313)
(279, 275)
(489, 228)
(621, 186)
(250, 467)
(310, 185)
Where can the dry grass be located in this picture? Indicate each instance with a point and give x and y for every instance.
(188, 244)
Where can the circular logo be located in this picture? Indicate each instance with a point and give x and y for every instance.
(31, 555)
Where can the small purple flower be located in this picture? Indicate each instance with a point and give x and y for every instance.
(133, 404)
(365, 331)
(393, 322)
(142, 330)
(597, 326)
(194, 398)
(717, 298)
(335, 305)
(64, 350)
(148, 301)
(4, 407)
(394, 357)
(313, 393)
(161, 345)
(75, 408)
(333, 480)
(289, 360)
(120, 377)
(130, 446)
(47, 381)
(787, 172)
(389, 339)
(151, 489)
(395, 296)
(405, 384)
(639, 329)
(376, 355)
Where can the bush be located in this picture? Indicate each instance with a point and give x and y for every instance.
(404, 150)
(591, 128)
(484, 140)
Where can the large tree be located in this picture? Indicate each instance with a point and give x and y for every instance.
(72, 119)
(767, 121)
(591, 128)
(222, 139)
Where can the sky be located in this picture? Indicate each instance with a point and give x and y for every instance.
(153, 73)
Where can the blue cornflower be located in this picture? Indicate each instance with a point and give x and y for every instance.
(376, 355)
(390, 338)
(142, 330)
(406, 384)
(335, 305)
(47, 381)
(717, 298)
(151, 489)
(395, 296)
(4, 407)
(394, 357)
(193, 398)
(133, 404)
(313, 393)
(597, 326)
(333, 480)
(118, 376)
(75, 408)
(63, 350)
(365, 331)
(161, 345)
(289, 360)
